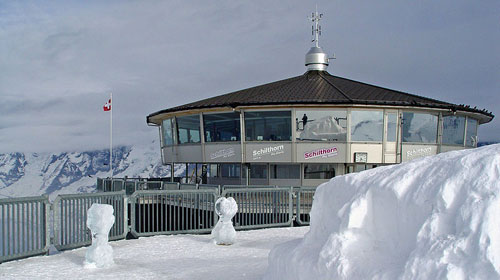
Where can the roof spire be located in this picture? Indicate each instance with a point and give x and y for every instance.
(316, 58)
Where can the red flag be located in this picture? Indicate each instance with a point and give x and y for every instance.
(107, 106)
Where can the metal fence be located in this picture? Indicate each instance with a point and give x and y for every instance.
(23, 227)
(176, 208)
(304, 200)
(261, 207)
(172, 212)
(70, 218)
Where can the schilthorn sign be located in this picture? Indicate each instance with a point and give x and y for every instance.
(271, 151)
(323, 152)
(224, 153)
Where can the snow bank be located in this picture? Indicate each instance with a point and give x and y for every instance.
(433, 218)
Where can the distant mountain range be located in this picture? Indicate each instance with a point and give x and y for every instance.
(31, 174)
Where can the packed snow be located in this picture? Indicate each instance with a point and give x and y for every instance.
(224, 232)
(100, 219)
(194, 257)
(433, 218)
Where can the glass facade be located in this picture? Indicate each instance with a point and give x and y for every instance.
(168, 137)
(180, 171)
(319, 171)
(419, 128)
(321, 125)
(367, 126)
(453, 130)
(471, 135)
(188, 129)
(258, 171)
(222, 127)
(230, 170)
(392, 127)
(268, 126)
(285, 171)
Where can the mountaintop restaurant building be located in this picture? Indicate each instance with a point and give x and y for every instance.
(304, 130)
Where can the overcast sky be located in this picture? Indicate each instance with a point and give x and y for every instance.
(60, 59)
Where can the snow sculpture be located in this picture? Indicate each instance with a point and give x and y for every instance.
(223, 232)
(100, 219)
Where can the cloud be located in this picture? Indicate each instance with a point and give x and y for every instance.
(60, 59)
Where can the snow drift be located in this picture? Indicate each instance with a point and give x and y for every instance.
(433, 218)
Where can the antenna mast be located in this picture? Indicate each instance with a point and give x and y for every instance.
(316, 58)
(316, 28)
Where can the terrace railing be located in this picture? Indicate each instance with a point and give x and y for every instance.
(70, 218)
(23, 227)
(26, 228)
(262, 207)
(172, 212)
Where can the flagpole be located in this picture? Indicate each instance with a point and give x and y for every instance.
(111, 136)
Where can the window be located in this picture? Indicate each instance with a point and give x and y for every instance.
(222, 127)
(319, 171)
(321, 125)
(180, 172)
(258, 171)
(471, 140)
(268, 126)
(419, 128)
(213, 171)
(392, 123)
(230, 170)
(367, 125)
(188, 129)
(168, 138)
(453, 130)
(285, 171)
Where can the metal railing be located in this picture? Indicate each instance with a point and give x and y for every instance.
(23, 227)
(304, 200)
(70, 218)
(178, 208)
(262, 207)
(172, 212)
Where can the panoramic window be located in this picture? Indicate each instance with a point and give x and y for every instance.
(168, 138)
(285, 171)
(180, 172)
(268, 126)
(420, 128)
(471, 135)
(230, 170)
(392, 124)
(188, 129)
(367, 126)
(453, 130)
(222, 127)
(319, 171)
(321, 125)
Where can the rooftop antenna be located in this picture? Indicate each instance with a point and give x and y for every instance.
(316, 58)
(316, 27)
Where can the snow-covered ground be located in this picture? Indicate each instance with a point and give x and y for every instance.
(163, 257)
(433, 218)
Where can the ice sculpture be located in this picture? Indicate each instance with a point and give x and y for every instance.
(223, 232)
(100, 219)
